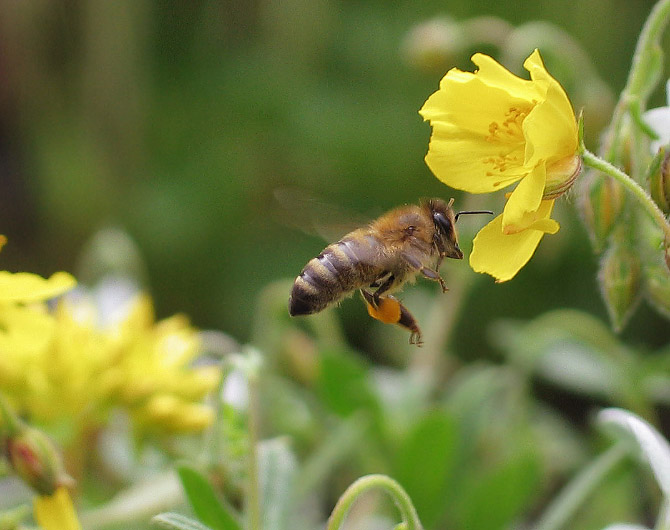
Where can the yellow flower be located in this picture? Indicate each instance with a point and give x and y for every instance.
(152, 374)
(27, 287)
(65, 371)
(56, 512)
(492, 129)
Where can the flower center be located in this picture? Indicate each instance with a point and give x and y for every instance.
(510, 133)
(510, 129)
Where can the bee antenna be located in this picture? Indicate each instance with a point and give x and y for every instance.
(468, 212)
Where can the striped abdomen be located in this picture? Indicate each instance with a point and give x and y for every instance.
(341, 268)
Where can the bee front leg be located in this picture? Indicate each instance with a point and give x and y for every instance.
(435, 276)
(389, 310)
(426, 272)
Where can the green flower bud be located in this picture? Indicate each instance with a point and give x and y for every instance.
(600, 204)
(561, 176)
(659, 179)
(620, 283)
(657, 288)
(35, 460)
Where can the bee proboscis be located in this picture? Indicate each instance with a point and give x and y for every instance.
(378, 259)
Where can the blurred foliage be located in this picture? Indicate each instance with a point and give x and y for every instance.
(176, 122)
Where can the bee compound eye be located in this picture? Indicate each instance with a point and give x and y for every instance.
(442, 223)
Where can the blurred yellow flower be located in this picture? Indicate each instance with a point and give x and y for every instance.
(56, 512)
(73, 377)
(153, 373)
(27, 287)
(492, 129)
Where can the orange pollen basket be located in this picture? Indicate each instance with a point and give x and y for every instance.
(388, 311)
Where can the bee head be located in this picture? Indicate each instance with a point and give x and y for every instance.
(446, 237)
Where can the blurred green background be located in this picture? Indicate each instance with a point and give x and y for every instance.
(177, 121)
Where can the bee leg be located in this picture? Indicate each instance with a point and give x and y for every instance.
(408, 321)
(389, 310)
(385, 286)
(435, 276)
(426, 272)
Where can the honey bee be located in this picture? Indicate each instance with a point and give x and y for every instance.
(378, 259)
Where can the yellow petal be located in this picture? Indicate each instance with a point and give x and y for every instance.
(56, 512)
(496, 75)
(550, 128)
(461, 164)
(524, 199)
(27, 287)
(477, 144)
(503, 255)
(472, 105)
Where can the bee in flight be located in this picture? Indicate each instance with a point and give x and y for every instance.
(378, 259)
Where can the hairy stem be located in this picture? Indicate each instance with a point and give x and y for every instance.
(640, 195)
(367, 483)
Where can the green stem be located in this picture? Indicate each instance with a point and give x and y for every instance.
(633, 188)
(576, 492)
(363, 484)
(649, 38)
(253, 500)
(9, 423)
(663, 520)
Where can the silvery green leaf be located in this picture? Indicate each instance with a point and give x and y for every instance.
(176, 521)
(654, 448)
(277, 472)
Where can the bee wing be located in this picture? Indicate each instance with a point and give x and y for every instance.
(303, 211)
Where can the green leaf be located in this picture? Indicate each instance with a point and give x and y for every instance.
(424, 462)
(651, 70)
(277, 472)
(495, 499)
(176, 521)
(591, 478)
(574, 350)
(653, 447)
(203, 500)
(343, 384)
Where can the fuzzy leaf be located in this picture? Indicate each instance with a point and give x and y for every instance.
(203, 500)
(277, 472)
(652, 445)
(176, 521)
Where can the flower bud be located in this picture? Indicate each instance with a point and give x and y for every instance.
(36, 460)
(561, 176)
(657, 288)
(659, 180)
(600, 203)
(619, 278)
(433, 44)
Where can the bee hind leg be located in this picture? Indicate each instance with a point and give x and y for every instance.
(382, 284)
(408, 321)
(389, 309)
